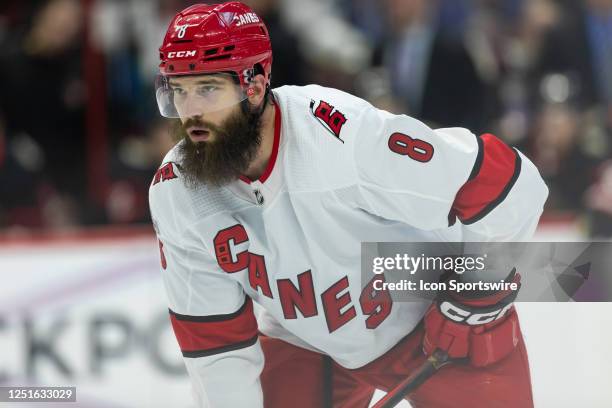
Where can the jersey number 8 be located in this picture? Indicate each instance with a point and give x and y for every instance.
(416, 149)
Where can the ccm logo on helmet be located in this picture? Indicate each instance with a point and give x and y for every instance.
(246, 18)
(182, 54)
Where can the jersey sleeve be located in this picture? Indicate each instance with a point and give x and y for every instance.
(212, 318)
(431, 179)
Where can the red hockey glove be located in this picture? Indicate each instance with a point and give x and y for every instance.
(482, 328)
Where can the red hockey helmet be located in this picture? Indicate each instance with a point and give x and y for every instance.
(212, 39)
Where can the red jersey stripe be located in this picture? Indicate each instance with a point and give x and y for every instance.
(199, 336)
(277, 131)
(496, 169)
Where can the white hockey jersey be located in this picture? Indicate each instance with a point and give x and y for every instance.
(342, 172)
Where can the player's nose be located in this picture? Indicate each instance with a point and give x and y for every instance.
(192, 108)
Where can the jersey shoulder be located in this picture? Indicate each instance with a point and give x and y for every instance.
(316, 90)
(306, 96)
(318, 125)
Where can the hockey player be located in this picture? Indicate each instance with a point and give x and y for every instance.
(265, 201)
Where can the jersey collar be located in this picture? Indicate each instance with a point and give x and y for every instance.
(273, 157)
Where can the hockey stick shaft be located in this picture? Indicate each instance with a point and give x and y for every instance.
(436, 361)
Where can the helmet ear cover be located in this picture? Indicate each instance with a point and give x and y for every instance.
(245, 105)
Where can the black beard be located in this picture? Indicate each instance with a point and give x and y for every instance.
(236, 141)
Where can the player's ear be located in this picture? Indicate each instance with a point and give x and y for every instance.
(257, 90)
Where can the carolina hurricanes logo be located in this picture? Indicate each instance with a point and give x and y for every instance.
(331, 119)
(164, 173)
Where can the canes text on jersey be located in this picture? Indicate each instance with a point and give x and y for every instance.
(336, 299)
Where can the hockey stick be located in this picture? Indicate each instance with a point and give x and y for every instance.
(437, 360)
(328, 380)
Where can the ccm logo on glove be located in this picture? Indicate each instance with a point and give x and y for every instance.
(457, 314)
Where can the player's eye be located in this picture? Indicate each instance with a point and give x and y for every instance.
(178, 91)
(205, 90)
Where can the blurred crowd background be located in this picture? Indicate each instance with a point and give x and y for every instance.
(81, 137)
